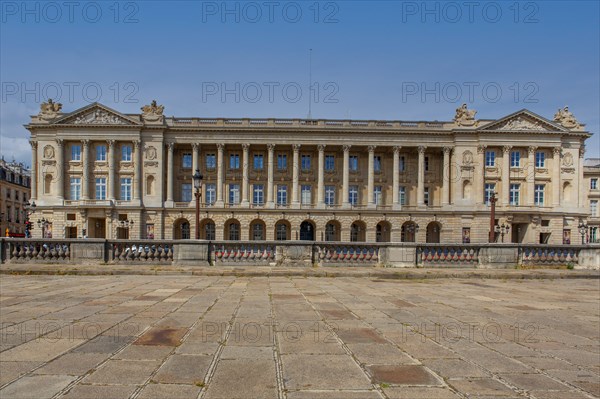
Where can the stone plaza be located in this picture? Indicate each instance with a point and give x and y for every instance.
(295, 337)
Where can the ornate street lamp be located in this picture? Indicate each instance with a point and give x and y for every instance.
(502, 229)
(492, 236)
(582, 230)
(198, 194)
(29, 210)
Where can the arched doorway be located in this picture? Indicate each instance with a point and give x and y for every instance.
(282, 230)
(358, 231)
(181, 229)
(232, 230)
(409, 231)
(257, 230)
(207, 230)
(333, 231)
(383, 231)
(307, 231)
(433, 233)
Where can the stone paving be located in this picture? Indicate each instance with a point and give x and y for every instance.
(295, 337)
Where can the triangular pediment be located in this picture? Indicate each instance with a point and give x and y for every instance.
(523, 121)
(96, 114)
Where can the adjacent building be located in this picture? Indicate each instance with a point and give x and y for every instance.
(101, 173)
(14, 193)
(591, 174)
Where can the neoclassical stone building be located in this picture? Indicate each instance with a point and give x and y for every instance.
(101, 173)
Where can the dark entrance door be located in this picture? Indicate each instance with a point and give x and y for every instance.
(307, 231)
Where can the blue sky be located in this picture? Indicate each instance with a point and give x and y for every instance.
(370, 60)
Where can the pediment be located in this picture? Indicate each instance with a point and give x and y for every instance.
(96, 114)
(523, 121)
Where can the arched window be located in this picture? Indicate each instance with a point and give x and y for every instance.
(281, 230)
(234, 231)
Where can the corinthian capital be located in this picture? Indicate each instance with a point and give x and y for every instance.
(296, 147)
(397, 149)
(481, 148)
(506, 149)
(372, 148)
(321, 147)
(346, 147)
(271, 147)
(421, 149)
(33, 144)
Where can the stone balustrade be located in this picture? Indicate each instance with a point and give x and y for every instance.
(295, 253)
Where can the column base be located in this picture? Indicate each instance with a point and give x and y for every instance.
(295, 205)
(219, 204)
(396, 207)
(345, 205)
(169, 204)
(270, 205)
(245, 204)
(320, 206)
(371, 206)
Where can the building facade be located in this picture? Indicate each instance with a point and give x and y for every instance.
(591, 174)
(14, 193)
(101, 173)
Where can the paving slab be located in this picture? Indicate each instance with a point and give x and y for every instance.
(169, 391)
(100, 391)
(243, 378)
(183, 369)
(37, 386)
(316, 372)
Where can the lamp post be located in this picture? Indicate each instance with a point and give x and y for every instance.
(198, 194)
(502, 229)
(492, 217)
(29, 210)
(582, 230)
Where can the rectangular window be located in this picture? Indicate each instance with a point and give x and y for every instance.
(353, 195)
(305, 163)
(186, 161)
(126, 153)
(353, 163)
(593, 184)
(101, 188)
(593, 235)
(515, 194)
(211, 161)
(377, 163)
(259, 163)
(490, 158)
(281, 162)
(330, 195)
(403, 196)
(258, 194)
(426, 196)
(540, 159)
(101, 152)
(329, 163)
(211, 193)
(306, 195)
(515, 159)
(186, 192)
(402, 164)
(126, 188)
(539, 194)
(426, 164)
(234, 161)
(75, 188)
(75, 152)
(377, 192)
(594, 208)
(490, 188)
(281, 194)
(234, 194)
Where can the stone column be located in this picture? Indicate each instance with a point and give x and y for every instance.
(321, 178)
(270, 186)
(220, 201)
(479, 175)
(421, 176)
(396, 179)
(245, 151)
(505, 197)
(110, 149)
(137, 171)
(581, 189)
(85, 164)
(371, 177)
(531, 176)
(295, 177)
(170, 172)
(556, 177)
(195, 165)
(60, 169)
(346, 176)
(34, 176)
(446, 177)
